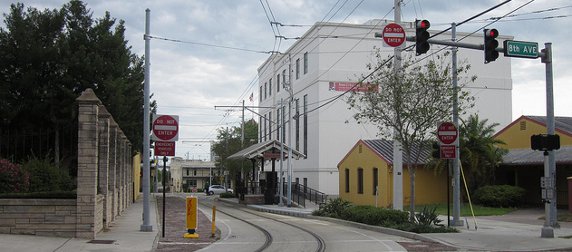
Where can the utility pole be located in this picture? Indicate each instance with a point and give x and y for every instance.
(280, 182)
(550, 222)
(397, 152)
(146, 226)
(456, 169)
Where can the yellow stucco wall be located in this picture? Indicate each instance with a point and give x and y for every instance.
(137, 175)
(430, 188)
(517, 134)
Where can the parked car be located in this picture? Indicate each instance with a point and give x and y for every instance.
(218, 189)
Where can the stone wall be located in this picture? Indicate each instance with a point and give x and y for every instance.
(46, 217)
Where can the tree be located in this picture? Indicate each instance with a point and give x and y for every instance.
(481, 153)
(49, 57)
(408, 104)
(229, 142)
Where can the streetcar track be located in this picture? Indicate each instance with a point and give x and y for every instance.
(321, 243)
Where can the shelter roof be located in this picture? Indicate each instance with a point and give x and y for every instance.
(516, 157)
(257, 150)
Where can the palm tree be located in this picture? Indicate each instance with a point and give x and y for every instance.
(480, 151)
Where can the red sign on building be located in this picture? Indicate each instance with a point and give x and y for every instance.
(165, 149)
(353, 86)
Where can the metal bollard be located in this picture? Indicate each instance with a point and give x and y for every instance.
(192, 220)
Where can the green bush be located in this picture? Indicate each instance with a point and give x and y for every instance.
(46, 177)
(375, 216)
(499, 196)
(13, 179)
(227, 195)
(333, 208)
(428, 217)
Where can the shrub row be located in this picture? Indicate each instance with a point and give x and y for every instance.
(425, 222)
(35, 175)
(500, 196)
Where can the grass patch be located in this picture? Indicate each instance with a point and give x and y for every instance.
(563, 216)
(466, 210)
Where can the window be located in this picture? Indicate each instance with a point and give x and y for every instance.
(260, 94)
(305, 184)
(265, 90)
(269, 126)
(187, 172)
(277, 83)
(297, 124)
(278, 124)
(270, 87)
(297, 69)
(297, 181)
(375, 181)
(265, 128)
(305, 62)
(193, 183)
(360, 180)
(284, 124)
(284, 77)
(347, 178)
(194, 172)
(260, 129)
(305, 125)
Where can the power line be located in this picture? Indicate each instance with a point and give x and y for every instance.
(210, 45)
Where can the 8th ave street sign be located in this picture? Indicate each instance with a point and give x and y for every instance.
(520, 49)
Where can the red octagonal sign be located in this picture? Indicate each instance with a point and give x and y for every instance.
(165, 128)
(447, 132)
(393, 34)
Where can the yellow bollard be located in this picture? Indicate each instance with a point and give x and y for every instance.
(213, 225)
(192, 220)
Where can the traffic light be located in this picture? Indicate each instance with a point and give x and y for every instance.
(545, 142)
(421, 36)
(435, 150)
(491, 45)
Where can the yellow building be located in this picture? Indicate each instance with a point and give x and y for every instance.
(368, 165)
(524, 167)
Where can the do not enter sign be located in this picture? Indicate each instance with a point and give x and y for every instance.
(393, 34)
(447, 133)
(165, 128)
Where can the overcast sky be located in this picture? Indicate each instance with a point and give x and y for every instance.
(191, 72)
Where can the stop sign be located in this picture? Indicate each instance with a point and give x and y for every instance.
(447, 132)
(165, 128)
(393, 34)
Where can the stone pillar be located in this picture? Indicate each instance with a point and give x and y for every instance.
(130, 184)
(113, 169)
(104, 161)
(87, 164)
(120, 147)
(124, 172)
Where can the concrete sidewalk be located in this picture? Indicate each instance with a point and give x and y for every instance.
(123, 235)
(517, 231)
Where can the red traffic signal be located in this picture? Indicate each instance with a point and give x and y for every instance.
(490, 45)
(421, 36)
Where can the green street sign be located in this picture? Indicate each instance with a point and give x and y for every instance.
(520, 49)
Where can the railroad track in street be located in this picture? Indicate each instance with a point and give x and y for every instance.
(269, 239)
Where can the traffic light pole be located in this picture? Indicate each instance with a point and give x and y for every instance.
(550, 222)
(456, 168)
(397, 152)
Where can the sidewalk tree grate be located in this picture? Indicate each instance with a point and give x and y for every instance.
(101, 241)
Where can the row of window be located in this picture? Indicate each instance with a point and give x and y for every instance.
(267, 123)
(266, 90)
(194, 172)
(359, 180)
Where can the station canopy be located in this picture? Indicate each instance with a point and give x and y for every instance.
(267, 150)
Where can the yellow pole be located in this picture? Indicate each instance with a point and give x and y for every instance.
(192, 219)
(213, 225)
(468, 196)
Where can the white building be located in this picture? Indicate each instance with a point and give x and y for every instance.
(318, 65)
(187, 174)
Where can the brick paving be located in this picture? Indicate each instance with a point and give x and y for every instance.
(175, 227)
